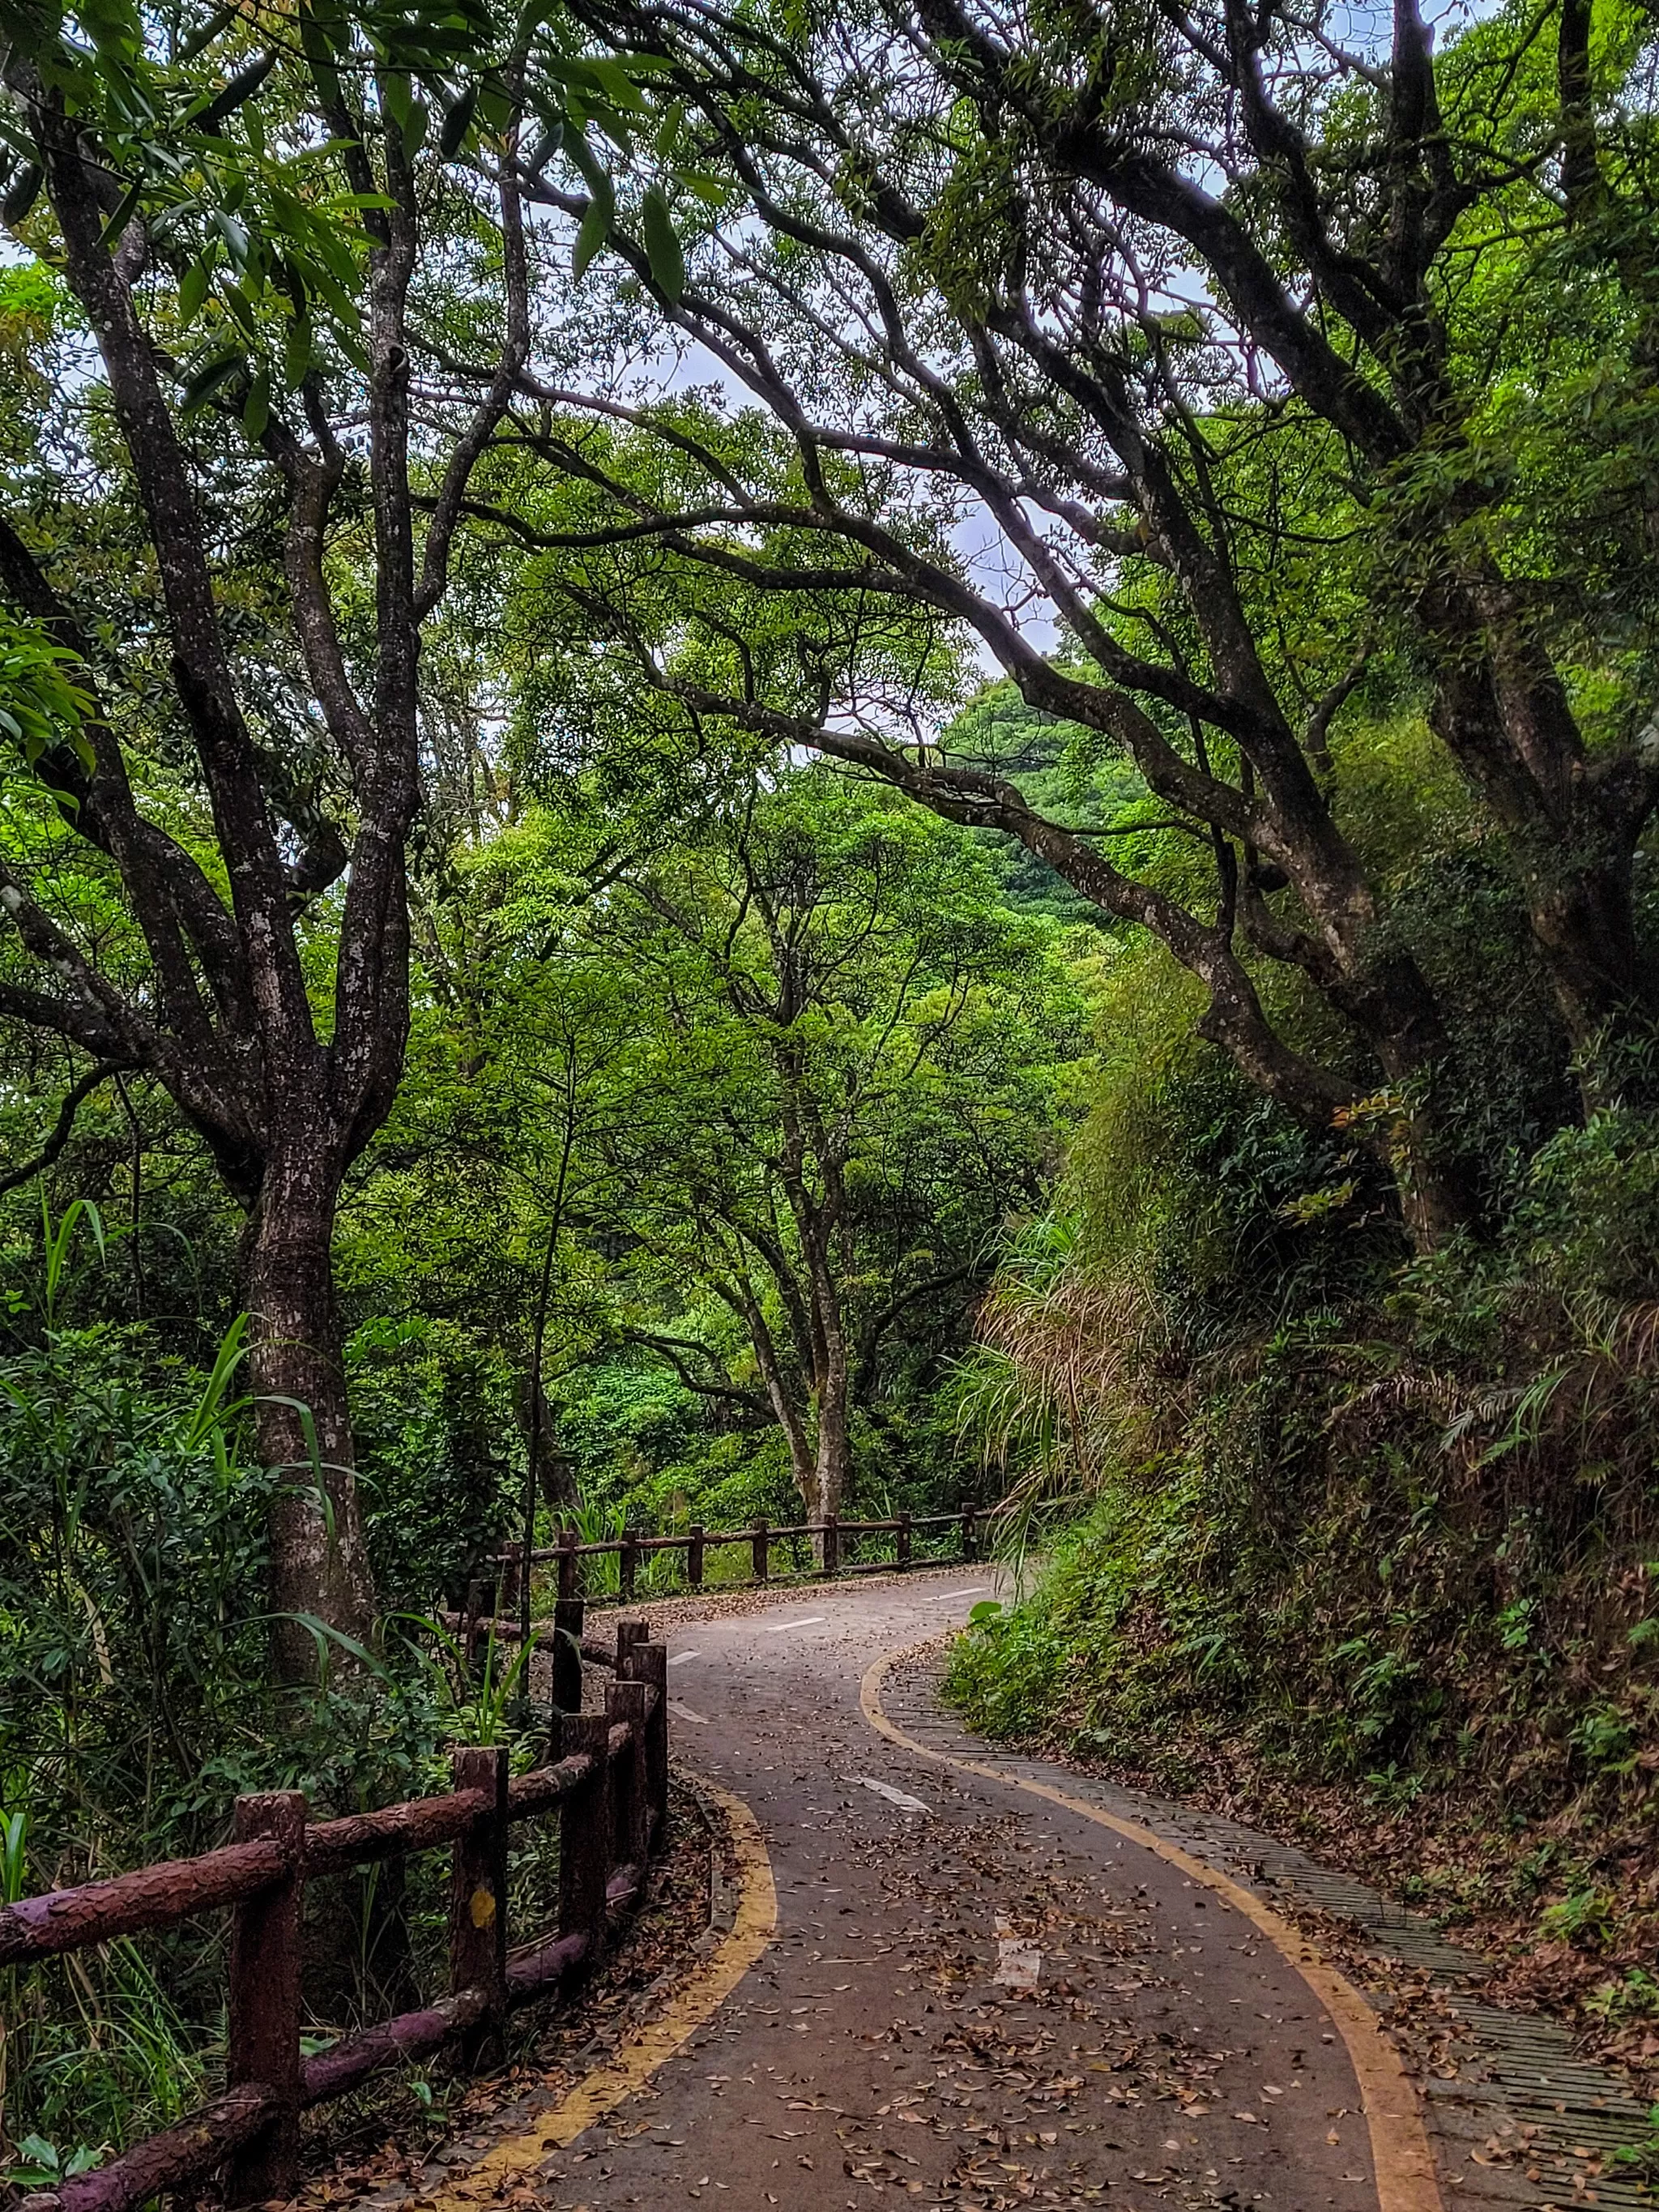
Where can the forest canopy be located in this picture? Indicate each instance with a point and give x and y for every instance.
(758, 759)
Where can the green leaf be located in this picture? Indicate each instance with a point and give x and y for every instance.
(209, 379)
(595, 228)
(397, 97)
(299, 353)
(256, 409)
(322, 281)
(122, 217)
(241, 308)
(594, 175)
(495, 104)
(323, 1635)
(616, 84)
(415, 126)
(193, 292)
(458, 121)
(112, 27)
(662, 247)
(235, 237)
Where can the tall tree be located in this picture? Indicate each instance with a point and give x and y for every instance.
(273, 254)
(841, 1088)
(1269, 361)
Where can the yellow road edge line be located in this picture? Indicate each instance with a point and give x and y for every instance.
(652, 2045)
(1401, 2159)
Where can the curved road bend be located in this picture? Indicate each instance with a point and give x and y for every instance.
(989, 2003)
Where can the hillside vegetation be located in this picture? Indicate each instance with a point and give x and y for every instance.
(1360, 1542)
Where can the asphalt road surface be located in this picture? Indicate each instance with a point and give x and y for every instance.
(975, 1998)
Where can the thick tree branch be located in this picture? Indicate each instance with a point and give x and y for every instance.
(877, 1327)
(201, 669)
(168, 889)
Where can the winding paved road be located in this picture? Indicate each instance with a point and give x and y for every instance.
(975, 1997)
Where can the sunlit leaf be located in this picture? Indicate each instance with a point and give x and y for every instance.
(662, 247)
(590, 235)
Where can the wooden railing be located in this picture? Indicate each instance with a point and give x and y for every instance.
(829, 1536)
(607, 1775)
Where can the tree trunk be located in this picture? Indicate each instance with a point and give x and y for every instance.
(1572, 824)
(794, 1430)
(832, 1455)
(1385, 999)
(554, 1473)
(1435, 1178)
(832, 1458)
(1584, 924)
(319, 1567)
(742, 1300)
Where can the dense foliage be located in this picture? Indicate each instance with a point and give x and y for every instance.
(1347, 1541)
(758, 760)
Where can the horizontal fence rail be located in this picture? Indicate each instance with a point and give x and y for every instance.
(828, 1537)
(605, 1775)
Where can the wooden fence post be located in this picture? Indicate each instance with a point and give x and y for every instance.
(648, 1664)
(970, 1534)
(264, 2001)
(693, 1556)
(628, 1634)
(569, 1613)
(832, 1544)
(628, 1563)
(569, 1565)
(478, 1897)
(761, 1543)
(902, 1542)
(625, 1702)
(585, 1833)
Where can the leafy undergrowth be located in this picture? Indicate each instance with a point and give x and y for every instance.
(1368, 1563)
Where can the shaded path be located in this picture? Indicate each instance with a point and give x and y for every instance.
(988, 2002)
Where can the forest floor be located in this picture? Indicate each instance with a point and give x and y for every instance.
(996, 1982)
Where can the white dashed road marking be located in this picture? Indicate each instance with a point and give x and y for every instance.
(807, 1620)
(679, 1658)
(685, 1713)
(943, 1597)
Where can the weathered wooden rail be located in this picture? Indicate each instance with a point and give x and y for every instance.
(606, 1775)
(830, 1537)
